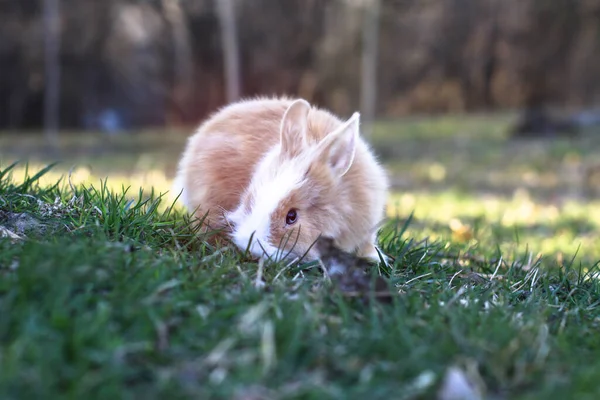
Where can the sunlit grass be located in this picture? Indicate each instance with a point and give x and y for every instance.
(554, 229)
(551, 229)
(113, 294)
(139, 178)
(474, 154)
(109, 293)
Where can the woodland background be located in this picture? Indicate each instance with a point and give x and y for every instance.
(485, 113)
(114, 65)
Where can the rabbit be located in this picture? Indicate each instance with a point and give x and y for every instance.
(273, 174)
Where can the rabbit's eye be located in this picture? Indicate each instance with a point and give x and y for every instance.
(291, 217)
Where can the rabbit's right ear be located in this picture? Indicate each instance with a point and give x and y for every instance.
(293, 128)
(338, 148)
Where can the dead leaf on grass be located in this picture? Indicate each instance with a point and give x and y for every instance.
(456, 386)
(7, 233)
(348, 272)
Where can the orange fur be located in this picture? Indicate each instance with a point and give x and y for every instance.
(220, 159)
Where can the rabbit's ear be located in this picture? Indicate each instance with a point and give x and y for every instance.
(338, 148)
(293, 128)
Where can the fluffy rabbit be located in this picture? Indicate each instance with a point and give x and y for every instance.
(280, 173)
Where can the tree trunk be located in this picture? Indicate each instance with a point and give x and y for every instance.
(182, 52)
(370, 44)
(491, 62)
(229, 42)
(52, 71)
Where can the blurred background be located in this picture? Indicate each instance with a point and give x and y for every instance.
(483, 100)
(128, 64)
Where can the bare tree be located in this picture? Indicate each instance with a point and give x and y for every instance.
(370, 42)
(226, 12)
(491, 61)
(52, 70)
(182, 51)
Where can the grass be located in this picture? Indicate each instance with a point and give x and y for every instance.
(469, 153)
(117, 297)
(107, 292)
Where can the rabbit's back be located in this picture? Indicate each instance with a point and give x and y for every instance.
(220, 157)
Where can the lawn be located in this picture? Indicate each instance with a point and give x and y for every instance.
(107, 292)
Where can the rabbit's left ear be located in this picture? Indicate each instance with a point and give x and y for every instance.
(338, 148)
(293, 128)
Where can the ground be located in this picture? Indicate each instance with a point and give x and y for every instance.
(108, 292)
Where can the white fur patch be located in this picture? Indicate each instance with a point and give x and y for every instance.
(272, 182)
(179, 188)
